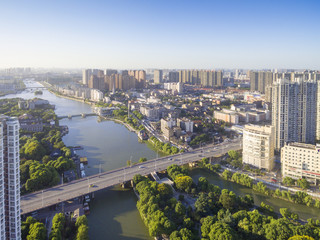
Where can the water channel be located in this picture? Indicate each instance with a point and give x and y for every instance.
(109, 145)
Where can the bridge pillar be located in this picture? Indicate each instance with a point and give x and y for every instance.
(83, 115)
(69, 116)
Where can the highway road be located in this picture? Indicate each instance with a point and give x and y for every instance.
(51, 196)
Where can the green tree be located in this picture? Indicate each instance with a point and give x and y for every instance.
(37, 232)
(33, 150)
(303, 183)
(228, 199)
(82, 220)
(203, 184)
(138, 178)
(288, 181)
(280, 229)
(183, 183)
(222, 231)
(142, 159)
(206, 224)
(298, 237)
(234, 155)
(204, 204)
(83, 233)
(180, 209)
(227, 174)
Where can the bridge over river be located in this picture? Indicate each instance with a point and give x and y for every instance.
(51, 196)
(78, 115)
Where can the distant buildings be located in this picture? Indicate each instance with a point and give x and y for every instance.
(201, 77)
(83, 93)
(110, 80)
(260, 80)
(87, 73)
(10, 222)
(258, 146)
(301, 160)
(294, 111)
(173, 76)
(158, 77)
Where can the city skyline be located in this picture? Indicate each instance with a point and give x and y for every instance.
(165, 35)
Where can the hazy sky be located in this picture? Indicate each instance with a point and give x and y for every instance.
(160, 34)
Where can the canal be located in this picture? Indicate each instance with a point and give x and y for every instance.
(109, 145)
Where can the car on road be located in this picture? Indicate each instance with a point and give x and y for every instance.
(170, 159)
(91, 185)
(141, 167)
(87, 198)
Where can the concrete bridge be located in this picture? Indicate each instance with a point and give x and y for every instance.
(83, 115)
(51, 196)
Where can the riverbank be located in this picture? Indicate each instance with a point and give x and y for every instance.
(272, 191)
(131, 129)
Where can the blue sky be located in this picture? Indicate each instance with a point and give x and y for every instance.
(160, 34)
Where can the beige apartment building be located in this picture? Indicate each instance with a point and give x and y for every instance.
(300, 160)
(258, 146)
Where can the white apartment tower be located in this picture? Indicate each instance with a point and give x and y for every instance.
(258, 146)
(10, 223)
(294, 111)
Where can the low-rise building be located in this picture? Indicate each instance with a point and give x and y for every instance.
(185, 124)
(258, 147)
(300, 160)
(151, 112)
(230, 117)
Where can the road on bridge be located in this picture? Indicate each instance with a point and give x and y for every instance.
(51, 196)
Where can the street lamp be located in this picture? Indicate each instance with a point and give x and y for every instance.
(88, 185)
(42, 198)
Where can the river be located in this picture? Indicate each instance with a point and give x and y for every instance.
(107, 144)
(110, 145)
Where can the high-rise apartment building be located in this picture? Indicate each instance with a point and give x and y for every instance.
(109, 72)
(294, 105)
(318, 112)
(86, 74)
(10, 223)
(201, 77)
(157, 76)
(260, 80)
(258, 146)
(173, 76)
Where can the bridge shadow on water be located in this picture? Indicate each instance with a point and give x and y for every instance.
(114, 216)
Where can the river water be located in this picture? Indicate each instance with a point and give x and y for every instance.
(109, 145)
